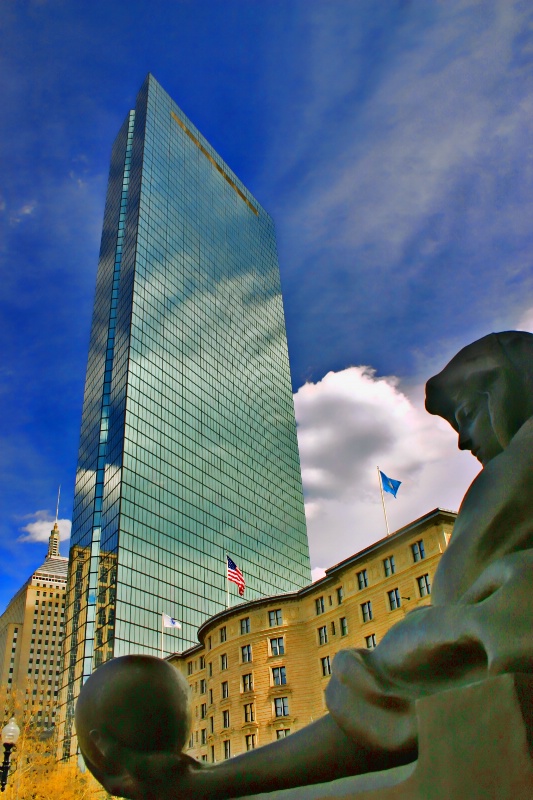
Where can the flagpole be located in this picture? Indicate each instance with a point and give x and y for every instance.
(162, 632)
(383, 501)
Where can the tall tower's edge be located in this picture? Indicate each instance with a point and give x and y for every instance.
(188, 447)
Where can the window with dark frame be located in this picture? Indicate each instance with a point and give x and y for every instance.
(395, 600)
(418, 550)
(366, 610)
(279, 676)
(389, 565)
(424, 586)
(277, 646)
(275, 617)
(281, 706)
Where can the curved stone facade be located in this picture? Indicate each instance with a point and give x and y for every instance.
(261, 667)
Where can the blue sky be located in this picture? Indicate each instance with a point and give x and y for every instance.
(390, 141)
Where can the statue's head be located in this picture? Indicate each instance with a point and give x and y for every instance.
(136, 702)
(486, 392)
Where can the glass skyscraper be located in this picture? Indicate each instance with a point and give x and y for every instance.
(188, 447)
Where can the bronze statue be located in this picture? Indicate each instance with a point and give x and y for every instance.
(479, 623)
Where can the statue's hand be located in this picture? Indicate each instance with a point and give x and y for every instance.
(143, 775)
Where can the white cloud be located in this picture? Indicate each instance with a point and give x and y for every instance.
(43, 522)
(24, 211)
(349, 423)
(317, 573)
(525, 323)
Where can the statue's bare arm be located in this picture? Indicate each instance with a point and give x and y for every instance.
(320, 752)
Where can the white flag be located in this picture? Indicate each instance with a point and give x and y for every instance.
(170, 622)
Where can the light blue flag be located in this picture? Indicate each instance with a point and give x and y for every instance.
(389, 484)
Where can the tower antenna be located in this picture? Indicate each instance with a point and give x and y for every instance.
(57, 505)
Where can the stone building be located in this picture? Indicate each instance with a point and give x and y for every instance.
(261, 667)
(31, 635)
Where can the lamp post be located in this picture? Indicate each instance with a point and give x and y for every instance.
(10, 735)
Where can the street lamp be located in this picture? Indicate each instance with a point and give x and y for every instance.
(10, 735)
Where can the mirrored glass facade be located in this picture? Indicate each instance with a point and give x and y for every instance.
(188, 447)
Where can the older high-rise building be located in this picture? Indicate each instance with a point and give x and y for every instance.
(188, 446)
(31, 636)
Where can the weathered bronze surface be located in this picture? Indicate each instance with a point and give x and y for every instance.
(478, 626)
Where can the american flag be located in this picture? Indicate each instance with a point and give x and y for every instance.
(235, 575)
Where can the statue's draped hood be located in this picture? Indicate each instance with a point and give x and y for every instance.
(499, 365)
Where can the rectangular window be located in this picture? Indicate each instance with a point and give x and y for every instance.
(249, 715)
(389, 566)
(340, 595)
(203, 686)
(370, 641)
(246, 653)
(394, 599)
(319, 604)
(282, 733)
(227, 749)
(424, 586)
(281, 706)
(333, 629)
(250, 741)
(274, 617)
(247, 682)
(277, 646)
(212, 724)
(225, 689)
(323, 635)
(203, 736)
(212, 753)
(202, 662)
(326, 665)
(189, 668)
(203, 710)
(210, 696)
(209, 643)
(366, 610)
(225, 719)
(419, 551)
(344, 626)
(245, 625)
(224, 661)
(223, 634)
(279, 677)
(210, 669)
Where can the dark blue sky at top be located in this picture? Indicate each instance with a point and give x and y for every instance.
(390, 141)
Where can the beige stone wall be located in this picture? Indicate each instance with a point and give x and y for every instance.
(31, 641)
(305, 658)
